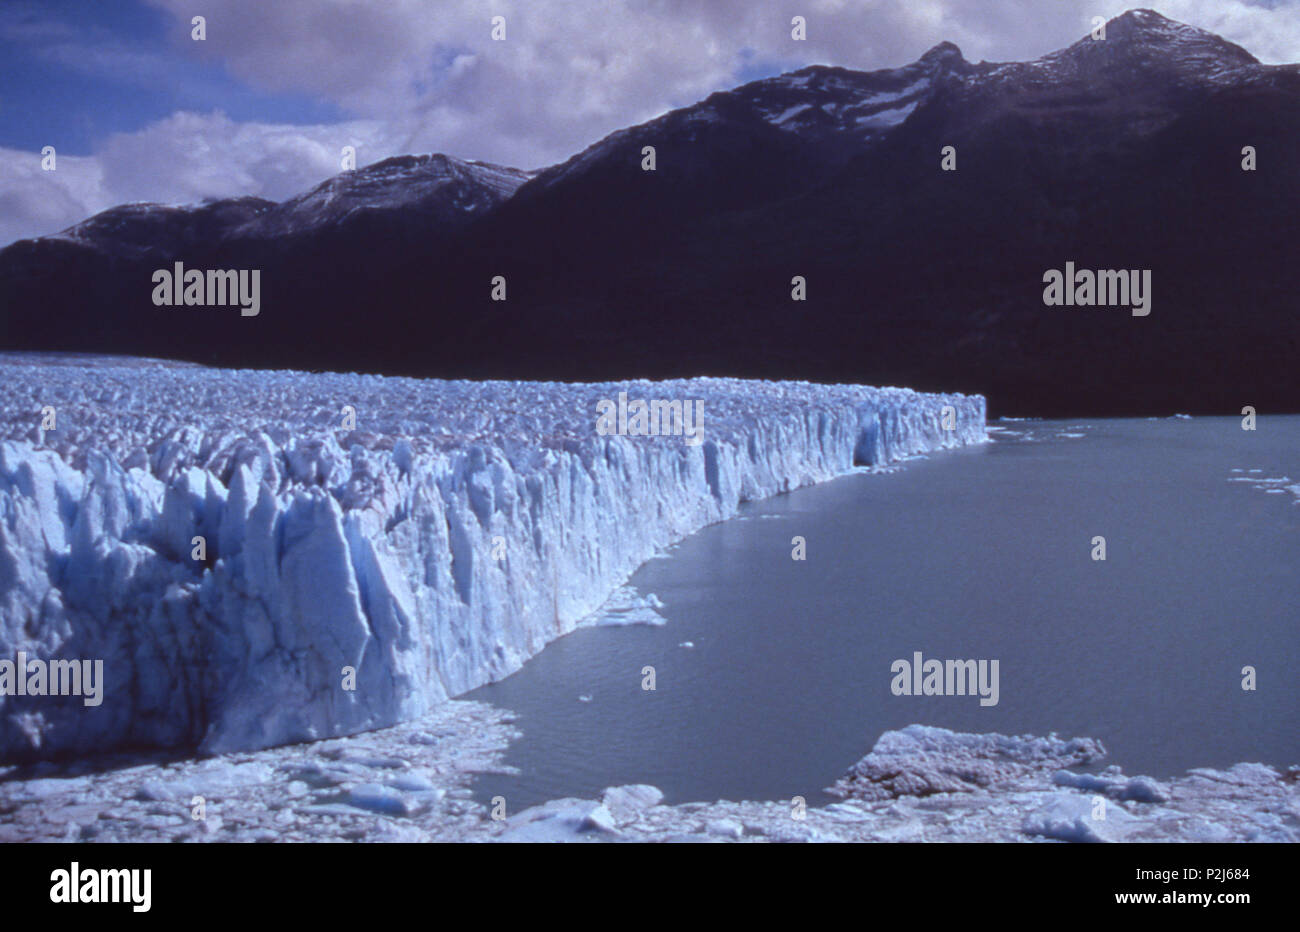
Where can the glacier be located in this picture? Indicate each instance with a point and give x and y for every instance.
(431, 547)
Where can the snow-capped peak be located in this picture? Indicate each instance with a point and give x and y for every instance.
(1144, 39)
(943, 52)
(439, 183)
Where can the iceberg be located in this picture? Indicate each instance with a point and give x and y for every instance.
(253, 573)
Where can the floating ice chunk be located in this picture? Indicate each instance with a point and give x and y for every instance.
(921, 760)
(1071, 817)
(627, 801)
(1144, 790)
(561, 820)
(1116, 785)
(724, 828)
(627, 607)
(376, 798)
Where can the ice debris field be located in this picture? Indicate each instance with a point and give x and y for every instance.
(411, 783)
(431, 547)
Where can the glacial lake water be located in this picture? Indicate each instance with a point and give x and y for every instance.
(982, 553)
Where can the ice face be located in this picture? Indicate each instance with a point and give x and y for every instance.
(352, 578)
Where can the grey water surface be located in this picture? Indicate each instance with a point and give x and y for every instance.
(981, 553)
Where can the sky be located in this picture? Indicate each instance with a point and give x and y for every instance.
(137, 109)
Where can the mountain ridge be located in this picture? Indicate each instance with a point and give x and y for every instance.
(1121, 153)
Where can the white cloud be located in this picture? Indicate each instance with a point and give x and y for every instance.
(189, 156)
(182, 159)
(34, 202)
(1270, 33)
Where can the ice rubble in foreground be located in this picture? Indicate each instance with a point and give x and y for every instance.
(370, 548)
(412, 783)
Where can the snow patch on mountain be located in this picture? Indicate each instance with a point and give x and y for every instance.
(819, 101)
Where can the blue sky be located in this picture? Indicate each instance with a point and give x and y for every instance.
(54, 89)
(137, 110)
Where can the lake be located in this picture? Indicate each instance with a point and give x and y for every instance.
(984, 553)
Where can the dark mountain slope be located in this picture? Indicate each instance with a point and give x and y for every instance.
(1118, 154)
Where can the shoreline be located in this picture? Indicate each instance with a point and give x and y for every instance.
(412, 783)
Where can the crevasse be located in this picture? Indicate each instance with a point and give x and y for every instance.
(434, 547)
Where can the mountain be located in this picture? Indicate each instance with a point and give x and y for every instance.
(429, 193)
(435, 193)
(1123, 153)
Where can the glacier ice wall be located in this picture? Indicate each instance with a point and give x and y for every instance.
(433, 547)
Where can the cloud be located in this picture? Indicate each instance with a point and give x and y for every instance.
(567, 73)
(1268, 30)
(190, 156)
(183, 159)
(34, 202)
